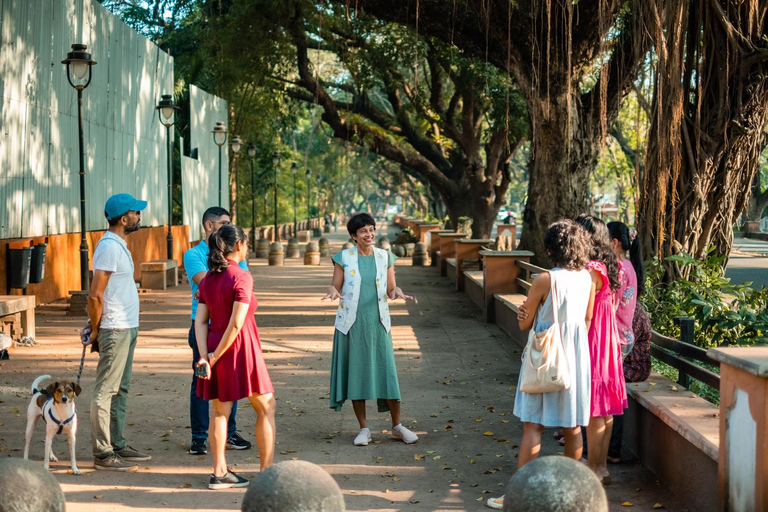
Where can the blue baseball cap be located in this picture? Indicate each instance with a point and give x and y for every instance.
(120, 204)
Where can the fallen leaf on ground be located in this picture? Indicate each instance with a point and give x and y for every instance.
(658, 505)
(488, 433)
(185, 485)
(98, 496)
(627, 504)
(419, 456)
(430, 452)
(437, 457)
(14, 410)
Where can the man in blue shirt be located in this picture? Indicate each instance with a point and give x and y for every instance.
(196, 266)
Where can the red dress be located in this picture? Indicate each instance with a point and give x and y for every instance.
(241, 370)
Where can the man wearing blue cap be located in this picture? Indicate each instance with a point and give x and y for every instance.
(113, 308)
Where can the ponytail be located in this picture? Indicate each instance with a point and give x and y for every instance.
(223, 243)
(629, 242)
(636, 257)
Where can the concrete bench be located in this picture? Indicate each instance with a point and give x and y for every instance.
(433, 244)
(505, 307)
(448, 249)
(22, 305)
(474, 282)
(675, 434)
(304, 236)
(500, 275)
(159, 274)
(467, 251)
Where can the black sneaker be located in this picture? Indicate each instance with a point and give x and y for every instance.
(227, 481)
(198, 447)
(132, 454)
(235, 442)
(114, 462)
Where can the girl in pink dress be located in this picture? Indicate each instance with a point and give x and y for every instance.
(233, 366)
(609, 392)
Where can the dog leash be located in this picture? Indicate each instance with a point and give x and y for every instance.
(85, 338)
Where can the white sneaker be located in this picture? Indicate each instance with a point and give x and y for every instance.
(402, 433)
(363, 438)
(495, 503)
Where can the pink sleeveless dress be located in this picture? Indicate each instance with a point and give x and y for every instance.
(609, 391)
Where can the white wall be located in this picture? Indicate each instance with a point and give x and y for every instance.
(125, 147)
(199, 177)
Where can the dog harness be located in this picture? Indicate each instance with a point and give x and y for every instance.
(56, 421)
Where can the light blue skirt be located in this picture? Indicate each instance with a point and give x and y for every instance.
(568, 408)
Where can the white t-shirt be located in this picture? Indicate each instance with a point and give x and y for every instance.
(121, 300)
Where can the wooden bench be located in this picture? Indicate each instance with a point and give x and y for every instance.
(22, 305)
(448, 249)
(159, 274)
(467, 252)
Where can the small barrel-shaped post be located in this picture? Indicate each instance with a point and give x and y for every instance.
(262, 248)
(325, 248)
(312, 254)
(419, 254)
(276, 254)
(292, 251)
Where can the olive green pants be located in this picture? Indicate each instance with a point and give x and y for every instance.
(110, 393)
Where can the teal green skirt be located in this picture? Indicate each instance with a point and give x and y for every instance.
(363, 365)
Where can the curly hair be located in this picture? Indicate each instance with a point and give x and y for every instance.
(223, 243)
(601, 247)
(568, 244)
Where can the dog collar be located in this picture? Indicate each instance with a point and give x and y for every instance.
(56, 421)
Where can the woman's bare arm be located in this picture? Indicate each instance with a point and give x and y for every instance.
(536, 295)
(236, 321)
(334, 291)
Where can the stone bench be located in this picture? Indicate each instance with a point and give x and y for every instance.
(304, 236)
(474, 285)
(505, 307)
(159, 274)
(23, 306)
(501, 275)
(467, 251)
(676, 435)
(448, 249)
(433, 244)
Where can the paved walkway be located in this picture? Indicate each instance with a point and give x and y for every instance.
(457, 376)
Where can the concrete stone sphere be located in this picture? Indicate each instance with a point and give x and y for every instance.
(347, 245)
(26, 486)
(293, 486)
(555, 484)
(312, 247)
(383, 243)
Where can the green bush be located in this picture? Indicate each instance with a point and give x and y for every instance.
(725, 313)
(406, 236)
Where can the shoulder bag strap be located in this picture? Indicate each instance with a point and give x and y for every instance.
(555, 303)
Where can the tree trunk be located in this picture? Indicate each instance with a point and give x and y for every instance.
(707, 130)
(559, 178)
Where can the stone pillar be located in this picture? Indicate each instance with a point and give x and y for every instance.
(276, 254)
(419, 255)
(325, 248)
(293, 249)
(262, 248)
(312, 254)
(743, 428)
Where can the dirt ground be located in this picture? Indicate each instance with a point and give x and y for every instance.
(457, 377)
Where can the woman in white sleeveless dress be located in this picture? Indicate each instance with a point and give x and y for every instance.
(568, 246)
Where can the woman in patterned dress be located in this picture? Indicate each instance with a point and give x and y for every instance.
(363, 360)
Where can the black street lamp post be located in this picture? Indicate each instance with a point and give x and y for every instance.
(295, 172)
(276, 164)
(79, 63)
(309, 195)
(252, 155)
(165, 112)
(235, 144)
(219, 138)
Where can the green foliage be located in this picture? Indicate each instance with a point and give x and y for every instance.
(725, 313)
(406, 236)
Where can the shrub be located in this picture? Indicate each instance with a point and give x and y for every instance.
(725, 313)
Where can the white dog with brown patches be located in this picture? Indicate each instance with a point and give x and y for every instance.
(56, 405)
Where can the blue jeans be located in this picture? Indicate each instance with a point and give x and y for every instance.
(198, 408)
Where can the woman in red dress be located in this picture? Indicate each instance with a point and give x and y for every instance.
(234, 367)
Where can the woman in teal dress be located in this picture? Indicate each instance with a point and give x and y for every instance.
(363, 362)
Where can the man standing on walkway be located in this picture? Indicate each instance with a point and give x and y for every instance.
(113, 308)
(196, 266)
